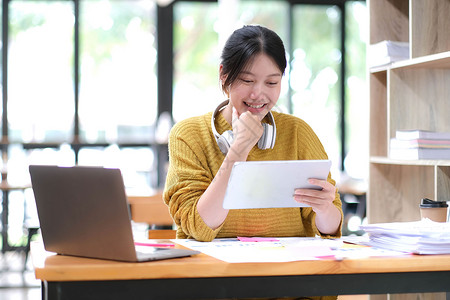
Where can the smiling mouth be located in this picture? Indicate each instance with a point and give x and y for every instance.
(257, 106)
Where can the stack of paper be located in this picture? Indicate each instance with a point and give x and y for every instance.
(387, 52)
(420, 237)
(420, 144)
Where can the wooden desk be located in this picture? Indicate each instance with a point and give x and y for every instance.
(201, 276)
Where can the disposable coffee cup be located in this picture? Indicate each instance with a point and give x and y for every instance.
(434, 210)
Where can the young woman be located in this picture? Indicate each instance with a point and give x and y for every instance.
(203, 149)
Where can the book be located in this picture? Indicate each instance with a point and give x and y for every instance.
(421, 134)
(386, 52)
(419, 153)
(419, 143)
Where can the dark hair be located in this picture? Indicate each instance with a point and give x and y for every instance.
(244, 44)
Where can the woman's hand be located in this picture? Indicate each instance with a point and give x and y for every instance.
(319, 200)
(328, 216)
(247, 130)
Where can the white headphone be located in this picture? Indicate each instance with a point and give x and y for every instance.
(225, 139)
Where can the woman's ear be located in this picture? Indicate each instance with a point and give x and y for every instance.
(223, 78)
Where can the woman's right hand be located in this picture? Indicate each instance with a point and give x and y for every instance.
(247, 130)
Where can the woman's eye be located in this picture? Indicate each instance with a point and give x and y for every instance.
(272, 83)
(246, 80)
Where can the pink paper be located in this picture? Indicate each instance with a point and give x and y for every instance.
(257, 239)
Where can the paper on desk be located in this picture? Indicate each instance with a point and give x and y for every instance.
(234, 251)
(257, 239)
(420, 237)
(425, 227)
(283, 250)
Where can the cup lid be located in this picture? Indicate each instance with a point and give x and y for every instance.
(425, 202)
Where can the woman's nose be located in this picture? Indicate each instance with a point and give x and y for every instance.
(256, 91)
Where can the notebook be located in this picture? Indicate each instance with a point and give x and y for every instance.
(269, 184)
(83, 211)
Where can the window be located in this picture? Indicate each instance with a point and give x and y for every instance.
(117, 71)
(82, 78)
(114, 53)
(316, 59)
(89, 93)
(196, 81)
(40, 71)
(357, 102)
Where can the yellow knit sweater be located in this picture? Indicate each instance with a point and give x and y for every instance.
(195, 158)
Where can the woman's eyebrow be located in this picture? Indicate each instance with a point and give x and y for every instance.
(270, 75)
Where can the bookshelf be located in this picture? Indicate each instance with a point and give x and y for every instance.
(408, 94)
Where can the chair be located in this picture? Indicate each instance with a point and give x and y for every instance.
(162, 234)
(153, 211)
(32, 230)
(353, 197)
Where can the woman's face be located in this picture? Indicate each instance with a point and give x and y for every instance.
(257, 88)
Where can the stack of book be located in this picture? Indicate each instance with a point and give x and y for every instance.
(386, 52)
(420, 144)
(420, 237)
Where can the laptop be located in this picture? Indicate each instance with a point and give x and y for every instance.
(83, 211)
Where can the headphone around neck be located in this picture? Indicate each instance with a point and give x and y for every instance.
(224, 140)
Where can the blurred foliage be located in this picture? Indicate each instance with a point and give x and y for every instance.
(195, 43)
(27, 16)
(103, 25)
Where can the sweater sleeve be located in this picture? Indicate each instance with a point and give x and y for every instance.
(187, 178)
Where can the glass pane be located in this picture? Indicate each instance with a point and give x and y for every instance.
(118, 99)
(273, 15)
(62, 156)
(196, 59)
(1, 75)
(137, 165)
(357, 101)
(315, 72)
(40, 71)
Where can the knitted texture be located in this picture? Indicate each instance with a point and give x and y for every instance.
(195, 158)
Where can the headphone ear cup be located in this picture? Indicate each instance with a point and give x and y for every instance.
(262, 140)
(224, 141)
(270, 136)
(266, 140)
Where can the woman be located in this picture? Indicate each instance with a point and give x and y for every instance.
(203, 149)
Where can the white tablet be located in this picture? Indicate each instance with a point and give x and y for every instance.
(268, 184)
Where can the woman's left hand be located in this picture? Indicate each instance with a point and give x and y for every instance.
(319, 200)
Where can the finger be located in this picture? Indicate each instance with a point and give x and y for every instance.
(324, 184)
(235, 114)
(313, 194)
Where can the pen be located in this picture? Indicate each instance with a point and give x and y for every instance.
(154, 245)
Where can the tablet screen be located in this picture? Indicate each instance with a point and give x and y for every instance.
(269, 184)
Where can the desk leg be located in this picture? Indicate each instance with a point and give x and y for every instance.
(49, 291)
(43, 290)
